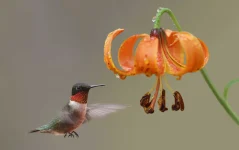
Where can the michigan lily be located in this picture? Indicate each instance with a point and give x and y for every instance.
(161, 52)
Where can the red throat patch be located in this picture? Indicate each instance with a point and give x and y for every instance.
(80, 97)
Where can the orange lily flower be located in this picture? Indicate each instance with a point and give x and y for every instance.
(163, 51)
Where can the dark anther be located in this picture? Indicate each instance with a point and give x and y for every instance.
(145, 100)
(176, 106)
(179, 104)
(145, 103)
(154, 33)
(162, 102)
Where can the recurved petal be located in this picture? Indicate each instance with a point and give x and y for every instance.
(126, 52)
(205, 51)
(173, 52)
(180, 44)
(108, 58)
(194, 50)
(173, 46)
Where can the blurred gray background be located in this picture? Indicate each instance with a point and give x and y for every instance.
(48, 45)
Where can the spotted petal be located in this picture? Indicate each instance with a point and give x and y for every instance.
(148, 57)
(125, 54)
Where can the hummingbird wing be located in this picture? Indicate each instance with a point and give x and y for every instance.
(101, 110)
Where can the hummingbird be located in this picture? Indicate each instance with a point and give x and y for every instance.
(76, 112)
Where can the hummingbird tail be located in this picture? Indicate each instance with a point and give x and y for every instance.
(35, 130)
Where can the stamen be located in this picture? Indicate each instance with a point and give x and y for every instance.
(145, 100)
(150, 109)
(179, 104)
(151, 90)
(162, 102)
(167, 85)
(161, 86)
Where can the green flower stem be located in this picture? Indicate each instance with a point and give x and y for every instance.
(161, 11)
(222, 100)
(228, 86)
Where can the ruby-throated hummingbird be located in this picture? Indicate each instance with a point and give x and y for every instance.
(76, 112)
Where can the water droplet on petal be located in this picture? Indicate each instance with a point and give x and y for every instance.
(117, 76)
(122, 77)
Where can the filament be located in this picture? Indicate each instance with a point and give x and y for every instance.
(167, 85)
(161, 86)
(156, 92)
(151, 90)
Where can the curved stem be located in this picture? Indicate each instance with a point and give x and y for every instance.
(228, 86)
(220, 99)
(160, 12)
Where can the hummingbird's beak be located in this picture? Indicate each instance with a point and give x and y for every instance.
(92, 86)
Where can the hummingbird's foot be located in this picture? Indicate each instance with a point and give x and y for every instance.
(162, 102)
(179, 104)
(70, 135)
(76, 134)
